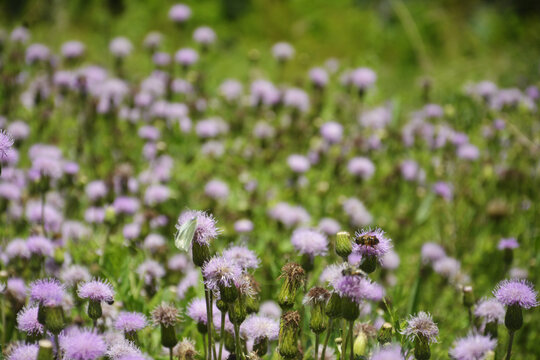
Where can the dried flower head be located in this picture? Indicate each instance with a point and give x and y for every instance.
(293, 272)
(165, 314)
(421, 325)
(316, 295)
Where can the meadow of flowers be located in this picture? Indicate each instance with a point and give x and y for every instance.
(287, 214)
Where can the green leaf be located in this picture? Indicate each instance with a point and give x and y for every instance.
(185, 234)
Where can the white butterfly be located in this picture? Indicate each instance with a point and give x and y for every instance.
(185, 233)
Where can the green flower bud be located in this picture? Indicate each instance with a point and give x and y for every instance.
(317, 298)
(294, 277)
(45, 351)
(307, 263)
(369, 264)
(168, 336)
(350, 309)
(252, 304)
(260, 346)
(94, 309)
(132, 336)
(202, 327)
(360, 344)
(343, 244)
(228, 293)
(222, 305)
(110, 215)
(492, 329)
(237, 313)
(333, 306)
(229, 342)
(421, 348)
(54, 319)
(385, 333)
(468, 296)
(514, 318)
(200, 253)
(288, 334)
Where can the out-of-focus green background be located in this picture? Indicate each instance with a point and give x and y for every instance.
(449, 40)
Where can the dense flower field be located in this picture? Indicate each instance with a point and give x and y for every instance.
(268, 217)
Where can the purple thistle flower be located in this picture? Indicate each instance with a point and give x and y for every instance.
(357, 288)
(298, 163)
(74, 274)
(491, 310)
(444, 190)
(432, 252)
(196, 310)
(508, 243)
(243, 226)
(23, 352)
(27, 321)
(120, 348)
(120, 47)
(151, 271)
(190, 280)
(204, 35)
(125, 205)
(49, 292)
(361, 167)
(221, 271)
(309, 242)
(381, 246)
(96, 290)
(186, 57)
(363, 78)
(329, 226)
(468, 152)
(472, 347)
(130, 321)
(244, 257)
(332, 273)
(270, 309)
(82, 345)
(282, 51)
(318, 77)
(216, 189)
(259, 327)
(447, 267)
(178, 262)
(96, 190)
(6, 143)
(388, 352)
(516, 292)
(39, 245)
(179, 13)
(206, 226)
(17, 248)
(16, 288)
(421, 325)
(156, 194)
(332, 132)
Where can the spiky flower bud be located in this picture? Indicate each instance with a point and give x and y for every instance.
(343, 244)
(288, 334)
(513, 319)
(333, 306)
(468, 296)
(317, 298)
(45, 351)
(54, 319)
(294, 277)
(385, 333)
(94, 309)
(185, 350)
(349, 308)
(200, 253)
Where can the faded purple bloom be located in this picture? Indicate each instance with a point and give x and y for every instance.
(244, 257)
(186, 57)
(447, 267)
(154, 242)
(126, 205)
(361, 167)
(120, 47)
(516, 292)
(468, 152)
(296, 99)
(96, 190)
(472, 347)
(243, 226)
(282, 51)
(151, 271)
(94, 215)
(221, 271)
(318, 77)
(37, 52)
(190, 280)
(204, 35)
(421, 325)
(270, 309)
(257, 327)
(329, 226)
(206, 229)
(23, 352)
(196, 310)
(75, 274)
(332, 132)
(432, 252)
(96, 290)
(6, 143)
(377, 118)
(298, 163)
(363, 78)
(381, 246)
(19, 130)
(131, 231)
(357, 288)
(388, 352)
(83, 344)
(72, 49)
(17, 248)
(16, 288)
(130, 321)
(27, 321)
(444, 190)
(390, 260)
(40, 245)
(332, 273)
(508, 243)
(231, 89)
(309, 242)
(178, 262)
(48, 292)
(216, 189)
(357, 212)
(490, 310)
(156, 194)
(179, 13)
(161, 59)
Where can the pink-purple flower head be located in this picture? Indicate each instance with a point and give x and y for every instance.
(206, 229)
(490, 310)
(204, 35)
(388, 352)
(6, 143)
(72, 49)
(516, 293)
(421, 325)
(179, 13)
(243, 226)
(80, 344)
(130, 321)
(363, 78)
(472, 347)
(370, 242)
(332, 132)
(220, 271)
(357, 288)
(432, 252)
(444, 190)
(126, 205)
(508, 243)
(96, 290)
(282, 51)
(196, 310)
(48, 292)
(244, 257)
(361, 167)
(120, 47)
(23, 352)
(298, 163)
(216, 189)
(257, 327)
(27, 321)
(39, 245)
(309, 242)
(186, 57)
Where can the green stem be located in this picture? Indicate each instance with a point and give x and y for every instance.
(510, 341)
(205, 347)
(208, 322)
(237, 345)
(170, 354)
(327, 337)
(221, 334)
(351, 342)
(57, 346)
(317, 347)
(344, 336)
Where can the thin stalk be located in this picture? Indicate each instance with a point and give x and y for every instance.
(204, 344)
(208, 323)
(237, 345)
(211, 321)
(317, 347)
(344, 344)
(327, 337)
(510, 341)
(4, 325)
(170, 354)
(57, 346)
(351, 325)
(221, 330)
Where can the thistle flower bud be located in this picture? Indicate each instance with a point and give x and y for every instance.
(513, 319)
(166, 317)
(385, 333)
(288, 334)
(238, 312)
(94, 309)
(45, 351)
(343, 244)
(110, 216)
(317, 298)
(369, 264)
(200, 253)
(468, 296)
(54, 319)
(349, 308)
(222, 305)
(228, 293)
(294, 277)
(421, 348)
(185, 350)
(360, 344)
(260, 346)
(333, 306)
